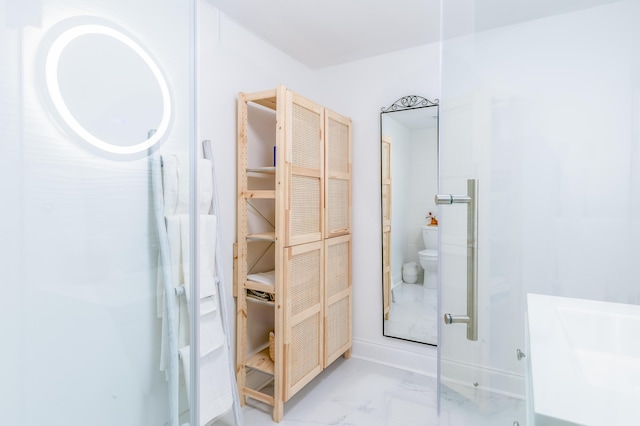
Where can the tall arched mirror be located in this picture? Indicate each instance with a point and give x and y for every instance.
(409, 172)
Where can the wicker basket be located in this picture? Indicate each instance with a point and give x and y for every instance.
(272, 350)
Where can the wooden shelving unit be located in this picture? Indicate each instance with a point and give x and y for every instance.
(294, 218)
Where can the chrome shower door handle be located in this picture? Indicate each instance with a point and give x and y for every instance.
(471, 199)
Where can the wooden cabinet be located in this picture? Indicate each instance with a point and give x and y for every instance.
(293, 252)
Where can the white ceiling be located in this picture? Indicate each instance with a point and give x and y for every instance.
(330, 32)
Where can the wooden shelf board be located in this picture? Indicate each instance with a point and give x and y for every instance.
(267, 102)
(261, 362)
(268, 170)
(260, 396)
(265, 236)
(255, 285)
(261, 193)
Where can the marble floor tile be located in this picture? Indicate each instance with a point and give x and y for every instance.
(357, 392)
(413, 313)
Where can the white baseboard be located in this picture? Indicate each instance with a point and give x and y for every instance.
(396, 284)
(423, 359)
(474, 376)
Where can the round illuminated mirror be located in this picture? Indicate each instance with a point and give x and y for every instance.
(107, 89)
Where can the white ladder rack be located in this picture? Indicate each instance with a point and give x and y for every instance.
(171, 291)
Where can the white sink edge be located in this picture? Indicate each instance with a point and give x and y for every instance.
(559, 392)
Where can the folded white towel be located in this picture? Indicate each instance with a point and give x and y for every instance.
(207, 245)
(215, 382)
(175, 185)
(175, 237)
(159, 289)
(185, 357)
(175, 254)
(208, 305)
(263, 277)
(211, 333)
(184, 248)
(215, 385)
(170, 187)
(170, 203)
(207, 253)
(205, 186)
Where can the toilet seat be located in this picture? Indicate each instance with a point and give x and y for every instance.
(429, 262)
(428, 254)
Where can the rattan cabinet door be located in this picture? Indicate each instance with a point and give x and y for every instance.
(304, 159)
(304, 294)
(337, 327)
(337, 175)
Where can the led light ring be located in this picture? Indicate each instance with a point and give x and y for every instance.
(51, 72)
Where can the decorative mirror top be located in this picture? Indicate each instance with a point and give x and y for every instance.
(409, 102)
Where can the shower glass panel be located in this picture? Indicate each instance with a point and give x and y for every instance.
(90, 89)
(541, 104)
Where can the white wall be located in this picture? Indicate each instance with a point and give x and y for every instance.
(233, 60)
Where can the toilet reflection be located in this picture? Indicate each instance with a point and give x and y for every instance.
(429, 256)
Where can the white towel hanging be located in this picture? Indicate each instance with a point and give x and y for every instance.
(217, 387)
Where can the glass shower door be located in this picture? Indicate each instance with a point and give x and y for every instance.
(480, 323)
(539, 105)
(83, 83)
